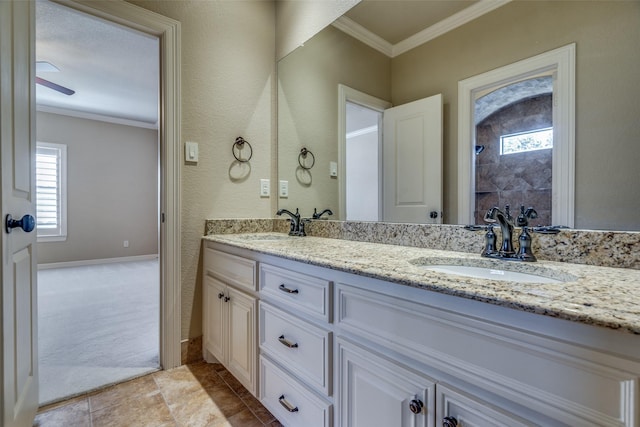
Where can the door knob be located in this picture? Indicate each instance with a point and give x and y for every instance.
(27, 223)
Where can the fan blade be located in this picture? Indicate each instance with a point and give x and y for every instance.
(46, 67)
(54, 86)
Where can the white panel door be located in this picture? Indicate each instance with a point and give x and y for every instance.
(215, 317)
(412, 162)
(18, 355)
(242, 359)
(376, 392)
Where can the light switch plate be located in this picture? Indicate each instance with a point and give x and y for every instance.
(265, 188)
(284, 189)
(333, 169)
(191, 151)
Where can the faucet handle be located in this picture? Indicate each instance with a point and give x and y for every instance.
(549, 229)
(525, 216)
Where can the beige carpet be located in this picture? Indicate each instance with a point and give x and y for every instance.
(97, 325)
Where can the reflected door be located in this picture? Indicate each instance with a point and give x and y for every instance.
(412, 162)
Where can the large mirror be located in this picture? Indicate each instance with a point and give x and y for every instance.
(607, 96)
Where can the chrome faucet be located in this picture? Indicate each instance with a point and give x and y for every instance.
(295, 228)
(506, 227)
(317, 215)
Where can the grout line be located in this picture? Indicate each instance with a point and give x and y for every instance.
(164, 399)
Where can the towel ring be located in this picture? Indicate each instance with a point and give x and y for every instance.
(240, 141)
(303, 155)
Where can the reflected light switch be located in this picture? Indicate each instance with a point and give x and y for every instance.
(191, 151)
(284, 189)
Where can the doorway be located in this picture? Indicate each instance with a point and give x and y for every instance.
(99, 262)
(362, 157)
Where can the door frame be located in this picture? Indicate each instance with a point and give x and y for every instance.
(168, 32)
(347, 94)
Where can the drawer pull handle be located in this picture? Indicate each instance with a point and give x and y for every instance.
(449, 422)
(416, 406)
(288, 406)
(287, 343)
(283, 288)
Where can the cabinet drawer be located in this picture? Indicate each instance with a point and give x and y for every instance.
(299, 292)
(231, 269)
(300, 346)
(291, 403)
(566, 382)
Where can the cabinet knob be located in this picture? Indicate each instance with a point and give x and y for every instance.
(416, 406)
(226, 299)
(449, 422)
(220, 295)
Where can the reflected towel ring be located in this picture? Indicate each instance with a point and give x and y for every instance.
(240, 141)
(303, 155)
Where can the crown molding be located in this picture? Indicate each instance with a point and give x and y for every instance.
(454, 21)
(357, 31)
(98, 117)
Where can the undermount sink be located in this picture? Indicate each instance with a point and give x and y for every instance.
(487, 269)
(262, 237)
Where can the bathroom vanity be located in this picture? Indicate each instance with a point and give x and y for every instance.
(330, 332)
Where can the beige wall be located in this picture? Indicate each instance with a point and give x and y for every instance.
(228, 51)
(607, 92)
(307, 111)
(112, 189)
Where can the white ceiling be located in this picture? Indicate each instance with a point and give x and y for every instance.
(113, 70)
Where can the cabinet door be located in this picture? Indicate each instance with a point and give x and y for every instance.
(242, 359)
(456, 409)
(375, 391)
(215, 320)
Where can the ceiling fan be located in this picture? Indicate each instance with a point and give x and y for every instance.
(44, 66)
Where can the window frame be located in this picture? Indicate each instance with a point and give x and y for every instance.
(59, 233)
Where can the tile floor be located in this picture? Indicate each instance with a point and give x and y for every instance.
(194, 395)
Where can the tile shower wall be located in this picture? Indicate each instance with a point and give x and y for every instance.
(514, 179)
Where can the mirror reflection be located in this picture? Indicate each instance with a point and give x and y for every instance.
(607, 106)
(513, 148)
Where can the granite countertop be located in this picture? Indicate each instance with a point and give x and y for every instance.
(601, 296)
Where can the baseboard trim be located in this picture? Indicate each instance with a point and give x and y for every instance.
(96, 261)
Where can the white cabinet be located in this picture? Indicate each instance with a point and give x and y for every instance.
(374, 391)
(508, 375)
(295, 346)
(230, 315)
(340, 349)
